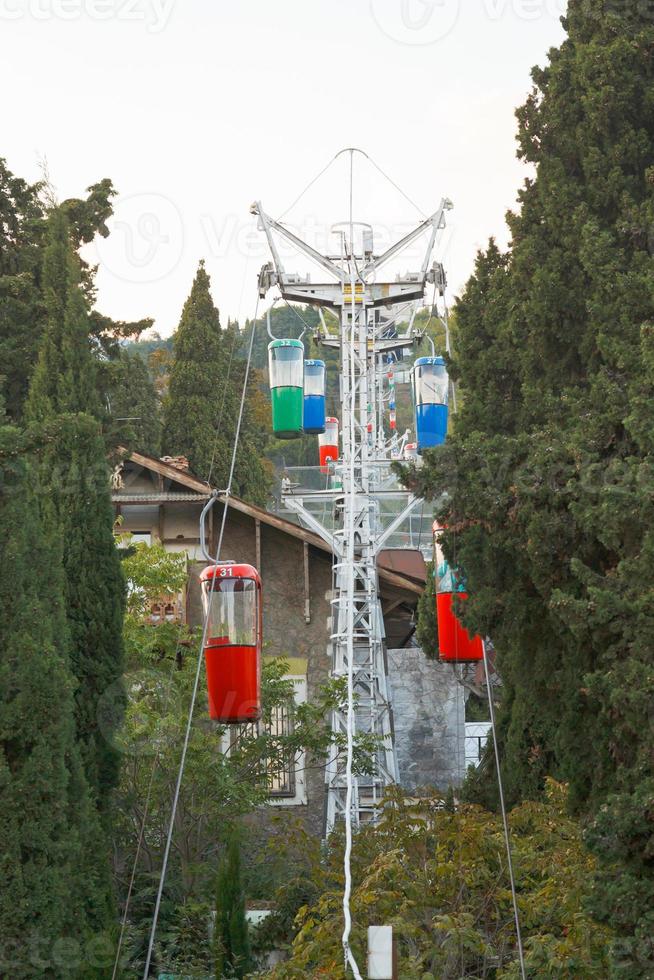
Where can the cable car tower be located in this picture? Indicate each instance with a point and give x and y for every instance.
(367, 306)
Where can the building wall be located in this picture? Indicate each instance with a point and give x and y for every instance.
(429, 718)
(174, 523)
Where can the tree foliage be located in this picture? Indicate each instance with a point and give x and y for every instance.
(134, 408)
(25, 210)
(22, 232)
(65, 377)
(427, 628)
(438, 876)
(54, 901)
(231, 940)
(549, 470)
(62, 406)
(202, 406)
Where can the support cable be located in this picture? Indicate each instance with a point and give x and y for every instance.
(347, 856)
(294, 310)
(123, 924)
(396, 186)
(144, 818)
(459, 692)
(505, 822)
(157, 757)
(448, 344)
(308, 187)
(229, 365)
(196, 683)
(222, 406)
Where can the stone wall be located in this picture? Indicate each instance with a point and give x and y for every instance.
(429, 719)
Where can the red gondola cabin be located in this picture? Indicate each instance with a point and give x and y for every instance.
(455, 645)
(233, 645)
(328, 444)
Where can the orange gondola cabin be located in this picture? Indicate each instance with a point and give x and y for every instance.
(231, 594)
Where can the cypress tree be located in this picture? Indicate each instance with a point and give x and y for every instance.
(23, 239)
(133, 397)
(551, 463)
(65, 378)
(64, 403)
(53, 891)
(201, 411)
(231, 942)
(22, 230)
(427, 626)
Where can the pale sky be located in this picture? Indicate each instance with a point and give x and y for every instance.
(195, 108)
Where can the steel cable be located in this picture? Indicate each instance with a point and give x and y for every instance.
(198, 671)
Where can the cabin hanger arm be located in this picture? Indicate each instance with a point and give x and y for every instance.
(436, 221)
(268, 225)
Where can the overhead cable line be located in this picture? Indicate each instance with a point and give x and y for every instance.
(396, 186)
(123, 924)
(308, 186)
(157, 757)
(505, 822)
(347, 854)
(196, 683)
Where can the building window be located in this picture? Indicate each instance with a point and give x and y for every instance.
(476, 738)
(282, 777)
(288, 783)
(127, 539)
(167, 609)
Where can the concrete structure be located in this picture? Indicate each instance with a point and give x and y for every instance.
(429, 713)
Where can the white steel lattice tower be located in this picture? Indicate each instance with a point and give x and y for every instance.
(366, 308)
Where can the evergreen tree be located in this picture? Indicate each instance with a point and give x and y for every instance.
(23, 238)
(61, 401)
(550, 465)
(201, 411)
(53, 888)
(22, 229)
(231, 942)
(427, 626)
(133, 400)
(65, 377)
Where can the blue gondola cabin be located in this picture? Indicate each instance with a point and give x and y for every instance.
(314, 397)
(430, 386)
